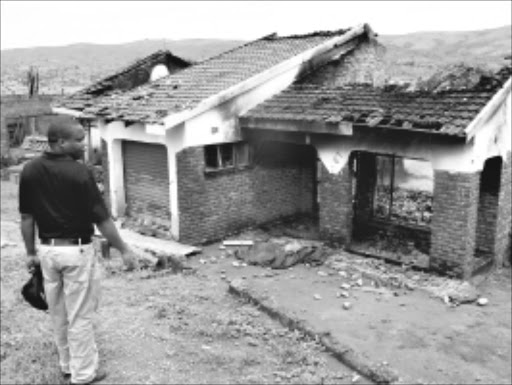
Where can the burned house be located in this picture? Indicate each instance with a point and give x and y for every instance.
(305, 124)
(141, 71)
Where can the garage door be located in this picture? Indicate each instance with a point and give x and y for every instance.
(146, 180)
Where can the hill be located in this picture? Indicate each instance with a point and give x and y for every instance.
(77, 65)
(408, 57)
(419, 55)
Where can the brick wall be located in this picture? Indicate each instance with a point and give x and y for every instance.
(278, 184)
(503, 228)
(454, 222)
(362, 65)
(335, 208)
(106, 176)
(486, 226)
(4, 137)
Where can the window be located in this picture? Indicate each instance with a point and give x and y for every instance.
(404, 190)
(226, 156)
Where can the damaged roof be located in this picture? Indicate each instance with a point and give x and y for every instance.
(185, 89)
(442, 111)
(111, 84)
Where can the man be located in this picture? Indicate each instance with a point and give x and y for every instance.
(59, 196)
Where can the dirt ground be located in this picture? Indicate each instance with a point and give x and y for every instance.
(420, 336)
(156, 328)
(163, 328)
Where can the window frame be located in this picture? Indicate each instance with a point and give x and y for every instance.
(236, 149)
(392, 186)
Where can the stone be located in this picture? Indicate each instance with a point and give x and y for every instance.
(347, 305)
(342, 274)
(345, 286)
(482, 301)
(322, 273)
(410, 286)
(359, 282)
(317, 296)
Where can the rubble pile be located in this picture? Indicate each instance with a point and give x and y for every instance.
(283, 252)
(452, 291)
(409, 206)
(392, 247)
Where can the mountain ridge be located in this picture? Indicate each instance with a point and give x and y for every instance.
(408, 57)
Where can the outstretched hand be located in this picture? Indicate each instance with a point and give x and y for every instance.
(130, 259)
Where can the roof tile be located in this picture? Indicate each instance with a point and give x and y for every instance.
(447, 112)
(185, 89)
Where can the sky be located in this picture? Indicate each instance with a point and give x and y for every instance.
(54, 23)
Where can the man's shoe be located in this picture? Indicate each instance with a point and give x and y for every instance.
(100, 375)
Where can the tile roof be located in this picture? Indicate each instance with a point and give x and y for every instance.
(185, 89)
(445, 112)
(106, 86)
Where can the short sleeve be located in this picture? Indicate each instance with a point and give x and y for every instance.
(98, 209)
(24, 193)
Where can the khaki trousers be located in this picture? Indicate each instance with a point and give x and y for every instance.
(72, 285)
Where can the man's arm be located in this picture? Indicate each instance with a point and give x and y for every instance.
(108, 229)
(28, 233)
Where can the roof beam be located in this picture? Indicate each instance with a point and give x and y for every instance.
(291, 125)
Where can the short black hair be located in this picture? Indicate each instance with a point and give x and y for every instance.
(60, 130)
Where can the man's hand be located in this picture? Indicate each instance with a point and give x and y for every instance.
(130, 260)
(32, 263)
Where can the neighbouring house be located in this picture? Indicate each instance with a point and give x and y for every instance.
(306, 124)
(23, 116)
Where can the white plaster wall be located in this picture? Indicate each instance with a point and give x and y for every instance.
(494, 137)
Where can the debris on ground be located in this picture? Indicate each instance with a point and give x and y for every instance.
(390, 276)
(457, 292)
(238, 243)
(283, 253)
(482, 301)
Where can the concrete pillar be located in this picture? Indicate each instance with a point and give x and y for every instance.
(454, 222)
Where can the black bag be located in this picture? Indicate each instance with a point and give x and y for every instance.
(33, 290)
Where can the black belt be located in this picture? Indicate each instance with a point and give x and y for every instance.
(65, 241)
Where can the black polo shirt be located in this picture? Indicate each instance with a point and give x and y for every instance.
(62, 196)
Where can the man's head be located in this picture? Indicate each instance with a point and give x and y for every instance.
(66, 138)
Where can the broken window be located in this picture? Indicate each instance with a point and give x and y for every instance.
(227, 155)
(404, 190)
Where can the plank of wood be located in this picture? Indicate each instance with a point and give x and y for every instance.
(238, 243)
